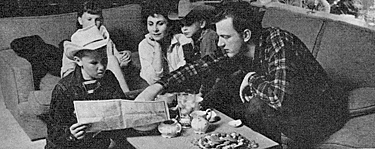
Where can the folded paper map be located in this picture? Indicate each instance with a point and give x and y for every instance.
(119, 114)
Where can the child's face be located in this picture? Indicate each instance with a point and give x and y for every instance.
(88, 19)
(157, 26)
(189, 30)
(93, 63)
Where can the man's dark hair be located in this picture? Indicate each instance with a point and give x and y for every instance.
(91, 7)
(244, 17)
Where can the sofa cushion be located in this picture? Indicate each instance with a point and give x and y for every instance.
(357, 133)
(38, 103)
(48, 82)
(362, 101)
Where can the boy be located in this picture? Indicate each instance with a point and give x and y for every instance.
(194, 19)
(90, 80)
(89, 15)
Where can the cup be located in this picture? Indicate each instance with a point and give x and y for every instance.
(169, 128)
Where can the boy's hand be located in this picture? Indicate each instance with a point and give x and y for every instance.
(78, 130)
(124, 58)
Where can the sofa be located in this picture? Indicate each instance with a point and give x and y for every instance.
(345, 47)
(29, 106)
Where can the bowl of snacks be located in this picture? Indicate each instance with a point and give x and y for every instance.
(219, 140)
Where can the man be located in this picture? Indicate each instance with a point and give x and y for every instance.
(285, 91)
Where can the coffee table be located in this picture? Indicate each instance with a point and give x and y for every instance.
(184, 141)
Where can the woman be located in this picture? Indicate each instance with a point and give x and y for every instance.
(160, 52)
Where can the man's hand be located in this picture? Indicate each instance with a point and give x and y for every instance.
(78, 130)
(150, 92)
(245, 90)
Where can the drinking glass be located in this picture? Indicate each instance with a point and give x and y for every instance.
(186, 104)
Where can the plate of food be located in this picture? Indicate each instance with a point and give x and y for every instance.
(221, 140)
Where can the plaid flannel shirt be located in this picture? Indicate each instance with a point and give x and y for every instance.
(282, 64)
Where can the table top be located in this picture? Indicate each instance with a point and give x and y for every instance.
(184, 141)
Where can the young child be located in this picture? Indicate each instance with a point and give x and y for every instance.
(195, 24)
(89, 15)
(90, 80)
(194, 18)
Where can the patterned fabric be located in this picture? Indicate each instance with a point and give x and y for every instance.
(190, 70)
(90, 86)
(285, 67)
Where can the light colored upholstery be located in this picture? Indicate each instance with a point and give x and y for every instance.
(362, 101)
(357, 133)
(52, 29)
(16, 80)
(347, 54)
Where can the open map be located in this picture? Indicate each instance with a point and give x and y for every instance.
(119, 114)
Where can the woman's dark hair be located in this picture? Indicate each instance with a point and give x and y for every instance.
(91, 7)
(244, 17)
(161, 7)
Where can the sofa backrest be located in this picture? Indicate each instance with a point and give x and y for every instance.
(123, 23)
(346, 51)
(52, 29)
(304, 27)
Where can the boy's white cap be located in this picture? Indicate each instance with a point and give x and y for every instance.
(185, 7)
(89, 38)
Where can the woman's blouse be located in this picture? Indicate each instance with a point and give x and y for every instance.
(173, 58)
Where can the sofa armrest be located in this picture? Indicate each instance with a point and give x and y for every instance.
(38, 103)
(16, 78)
